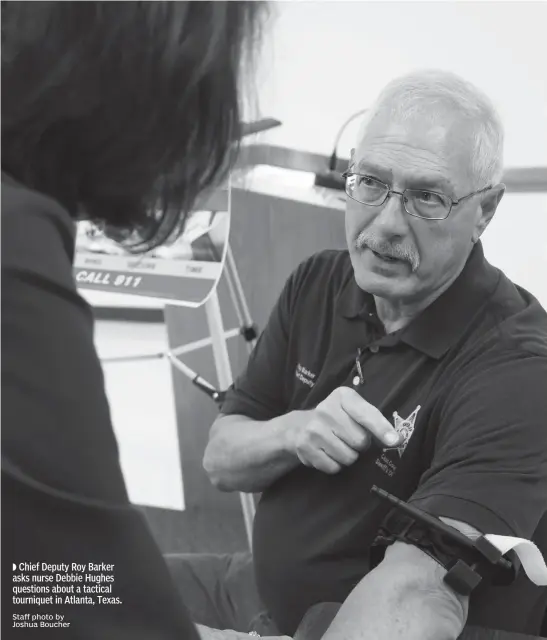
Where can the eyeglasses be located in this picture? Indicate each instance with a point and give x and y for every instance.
(419, 203)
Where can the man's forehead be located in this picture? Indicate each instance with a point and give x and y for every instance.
(429, 131)
(421, 145)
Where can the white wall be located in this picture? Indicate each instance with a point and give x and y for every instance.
(325, 60)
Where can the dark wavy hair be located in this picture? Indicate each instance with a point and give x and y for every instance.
(125, 112)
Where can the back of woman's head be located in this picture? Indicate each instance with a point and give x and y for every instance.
(124, 111)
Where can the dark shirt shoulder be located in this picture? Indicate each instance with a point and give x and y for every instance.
(63, 494)
(524, 323)
(38, 234)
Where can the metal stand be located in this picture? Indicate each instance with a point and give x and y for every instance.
(218, 341)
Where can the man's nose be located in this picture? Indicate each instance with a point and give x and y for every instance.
(392, 216)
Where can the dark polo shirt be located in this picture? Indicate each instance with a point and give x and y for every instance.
(466, 382)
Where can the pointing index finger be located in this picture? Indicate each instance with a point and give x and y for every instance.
(369, 417)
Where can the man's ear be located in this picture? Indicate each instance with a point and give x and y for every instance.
(488, 206)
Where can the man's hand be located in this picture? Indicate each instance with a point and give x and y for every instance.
(338, 430)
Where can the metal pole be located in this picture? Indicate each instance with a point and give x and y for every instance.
(238, 295)
(225, 379)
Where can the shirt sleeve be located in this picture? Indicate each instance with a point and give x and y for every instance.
(259, 392)
(490, 463)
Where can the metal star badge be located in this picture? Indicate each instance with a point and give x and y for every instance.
(405, 428)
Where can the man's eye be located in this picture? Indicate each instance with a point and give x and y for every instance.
(429, 198)
(367, 181)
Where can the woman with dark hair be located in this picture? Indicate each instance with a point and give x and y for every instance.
(122, 113)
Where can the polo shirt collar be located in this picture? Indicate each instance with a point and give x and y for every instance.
(441, 324)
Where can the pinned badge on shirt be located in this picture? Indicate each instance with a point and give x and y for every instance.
(405, 428)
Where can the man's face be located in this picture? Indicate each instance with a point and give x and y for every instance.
(416, 154)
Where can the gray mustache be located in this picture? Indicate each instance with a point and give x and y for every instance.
(401, 252)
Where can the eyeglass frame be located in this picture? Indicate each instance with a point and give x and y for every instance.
(453, 203)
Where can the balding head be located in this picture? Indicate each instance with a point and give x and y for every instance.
(436, 98)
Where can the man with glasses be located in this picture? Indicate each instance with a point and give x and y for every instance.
(407, 362)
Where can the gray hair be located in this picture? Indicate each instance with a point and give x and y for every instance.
(430, 92)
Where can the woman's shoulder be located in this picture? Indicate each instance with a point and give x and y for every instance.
(38, 234)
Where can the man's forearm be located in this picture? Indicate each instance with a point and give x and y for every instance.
(393, 601)
(248, 455)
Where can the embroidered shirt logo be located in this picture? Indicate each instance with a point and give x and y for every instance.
(405, 428)
(304, 375)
